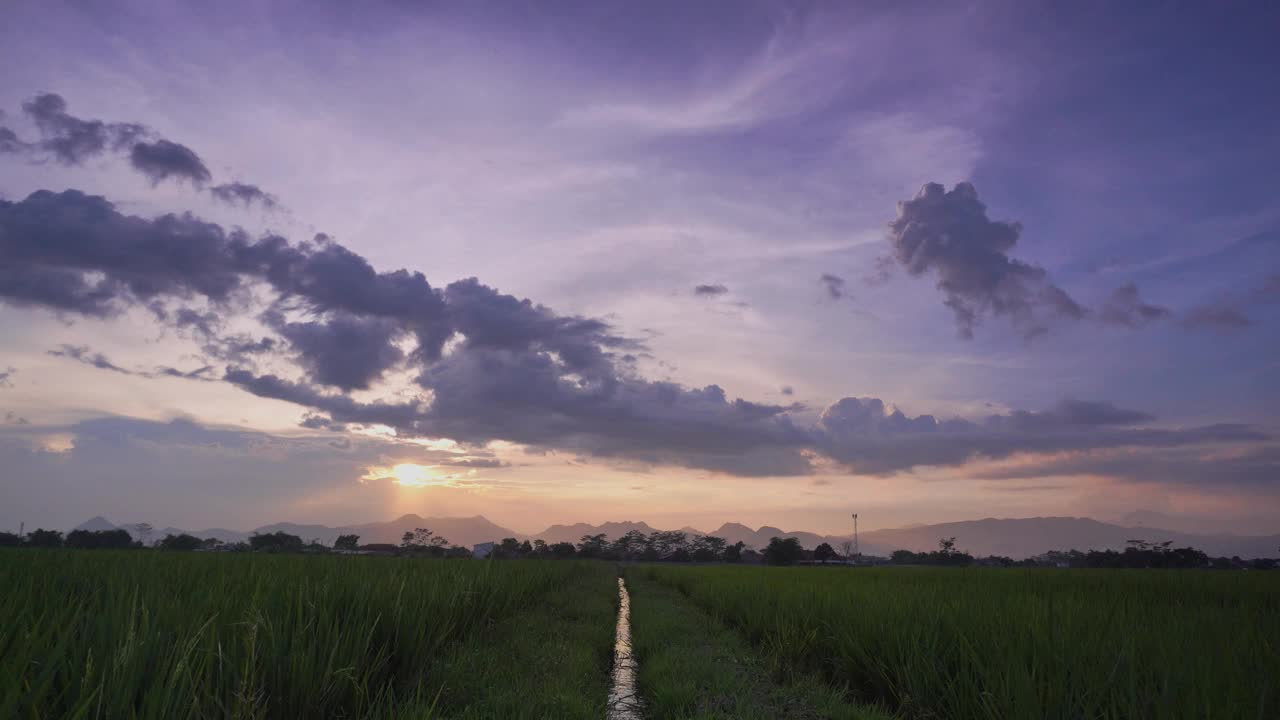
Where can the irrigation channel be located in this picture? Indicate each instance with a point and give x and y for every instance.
(624, 699)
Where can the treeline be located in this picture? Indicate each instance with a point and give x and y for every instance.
(420, 541)
(663, 546)
(1139, 554)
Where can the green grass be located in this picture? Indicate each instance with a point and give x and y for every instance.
(167, 635)
(981, 643)
(548, 662)
(692, 667)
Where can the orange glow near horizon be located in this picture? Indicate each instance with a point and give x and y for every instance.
(412, 475)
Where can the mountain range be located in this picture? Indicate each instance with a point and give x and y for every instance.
(1014, 537)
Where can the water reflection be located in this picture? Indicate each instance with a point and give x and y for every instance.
(624, 701)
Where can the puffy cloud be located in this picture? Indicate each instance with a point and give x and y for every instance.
(514, 371)
(710, 290)
(1126, 308)
(161, 160)
(345, 351)
(72, 140)
(947, 233)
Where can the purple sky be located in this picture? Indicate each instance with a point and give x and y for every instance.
(782, 262)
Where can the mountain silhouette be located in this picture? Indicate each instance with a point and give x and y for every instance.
(1014, 537)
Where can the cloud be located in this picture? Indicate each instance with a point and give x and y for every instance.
(710, 290)
(162, 160)
(834, 285)
(1229, 314)
(244, 194)
(345, 351)
(514, 370)
(72, 140)
(1248, 467)
(947, 233)
(82, 354)
(1124, 307)
(871, 438)
(87, 356)
(6, 377)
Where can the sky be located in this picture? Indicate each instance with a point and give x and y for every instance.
(687, 263)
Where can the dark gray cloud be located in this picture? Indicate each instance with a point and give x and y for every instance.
(6, 377)
(491, 320)
(529, 397)
(869, 438)
(9, 142)
(1220, 317)
(345, 351)
(1230, 313)
(72, 140)
(514, 371)
(243, 194)
(834, 285)
(83, 354)
(87, 356)
(340, 408)
(709, 290)
(1126, 308)
(948, 234)
(162, 160)
(1257, 467)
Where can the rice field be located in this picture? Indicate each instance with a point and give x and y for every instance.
(183, 635)
(1004, 643)
(132, 634)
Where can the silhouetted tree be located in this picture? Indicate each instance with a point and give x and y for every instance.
(846, 549)
(593, 546)
(508, 548)
(824, 552)
(279, 541)
(181, 541)
(733, 553)
(630, 546)
(708, 548)
(423, 540)
(98, 539)
(562, 550)
(347, 542)
(8, 539)
(45, 538)
(783, 551)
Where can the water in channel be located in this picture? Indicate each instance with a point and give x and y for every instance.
(624, 700)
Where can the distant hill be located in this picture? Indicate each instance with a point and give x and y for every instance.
(466, 531)
(1014, 537)
(1025, 537)
(573, 533)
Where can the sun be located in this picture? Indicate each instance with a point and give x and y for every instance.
(408, 475)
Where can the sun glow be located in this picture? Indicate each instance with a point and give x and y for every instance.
(414, 475)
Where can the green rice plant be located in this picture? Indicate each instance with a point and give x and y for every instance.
(981, 643)
(193, 635)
